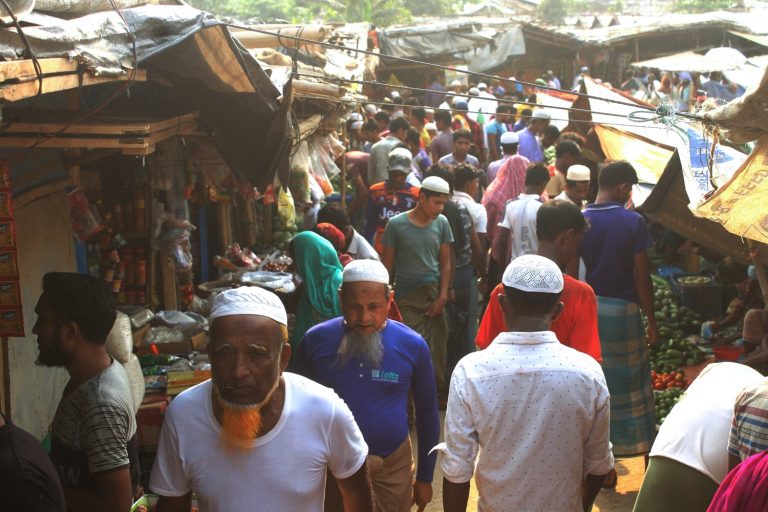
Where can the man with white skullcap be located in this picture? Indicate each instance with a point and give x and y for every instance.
(567, 154)
(508, 141)
(539, 409)
(417, 254)
(373, 364)
(530, 147)
(254, 435)
(576, 185)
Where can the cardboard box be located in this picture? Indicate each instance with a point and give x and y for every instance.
(179, 381)
(149, 419)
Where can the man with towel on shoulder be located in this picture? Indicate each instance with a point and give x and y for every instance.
(254, 435)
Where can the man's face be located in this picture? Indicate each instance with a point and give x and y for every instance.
(372, 136)
(246, 358)
(50, 346)
(400, 134)
(433, 205)
(578, 192)
(547, 140)
(537, 126)
(396, 180)
(461, 147)
(472, 186)
(564, 162)
(365, 306)
(502, 117)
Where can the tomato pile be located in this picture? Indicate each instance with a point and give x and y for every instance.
(662, 381)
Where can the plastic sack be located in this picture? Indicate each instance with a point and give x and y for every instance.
(286, 211)
(299, 178)
(135, 379)
(322, 166)
(120, 339)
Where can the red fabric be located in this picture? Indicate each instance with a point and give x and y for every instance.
(745, 489)
(394, 312)
(576, 327)
(337, 239)
(508, 184)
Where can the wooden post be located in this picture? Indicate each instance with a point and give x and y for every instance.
(343, 181)
(637, 49)
(170, 285)
(759, 270)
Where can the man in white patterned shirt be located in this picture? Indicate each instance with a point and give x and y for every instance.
(538, 409)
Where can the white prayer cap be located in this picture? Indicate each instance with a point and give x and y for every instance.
(430, 127)
(357, 125)
(474, 91)
(371, 271)
(436, 184)
(399, 159)
(355, 116)
(429, 111)
(541, 114)
(482, 86)
(248, 300)
(578, 173)
(394, 95)
(532, 273)
(371, 109)
(456, 83)
(509, 138)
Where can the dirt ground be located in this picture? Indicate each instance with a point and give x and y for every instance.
(622, 499)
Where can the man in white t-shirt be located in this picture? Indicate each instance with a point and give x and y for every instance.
(466, 182)
(519, 221)
(689, 459)
(254, 437)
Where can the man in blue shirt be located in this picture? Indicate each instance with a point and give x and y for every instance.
(373, 363)
(529, 145)
(614, 253)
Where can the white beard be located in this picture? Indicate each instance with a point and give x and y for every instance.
(368, 348)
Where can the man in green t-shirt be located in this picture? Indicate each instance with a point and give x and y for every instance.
(417, 252)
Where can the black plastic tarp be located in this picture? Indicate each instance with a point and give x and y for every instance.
(193, 51)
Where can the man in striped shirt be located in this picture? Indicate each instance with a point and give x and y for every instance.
(749, 427)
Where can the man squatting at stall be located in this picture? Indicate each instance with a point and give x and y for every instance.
(373, 364)
(254, 435)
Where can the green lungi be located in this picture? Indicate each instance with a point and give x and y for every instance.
(628, 375)
(433, 330)
(670, 486)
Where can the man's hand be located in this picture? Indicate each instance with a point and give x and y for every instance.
(422, 494)
(651, 333)
(436, 308)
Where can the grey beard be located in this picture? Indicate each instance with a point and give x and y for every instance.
(367, 348)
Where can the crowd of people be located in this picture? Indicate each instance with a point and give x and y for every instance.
(485, 268)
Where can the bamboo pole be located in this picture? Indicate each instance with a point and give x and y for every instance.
(343, 180)
(253, 40)
(759, 269)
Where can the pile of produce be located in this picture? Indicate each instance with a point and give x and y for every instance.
(665, 400)
(662, 381)
(672, 319)
(669, 355)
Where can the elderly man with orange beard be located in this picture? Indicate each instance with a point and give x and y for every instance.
(373, 364)
(255, 437)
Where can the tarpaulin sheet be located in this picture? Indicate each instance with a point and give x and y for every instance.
(195, 52)
(649, 142)
(483, 49)
(745, 118)
(740, 205)
(648, 159)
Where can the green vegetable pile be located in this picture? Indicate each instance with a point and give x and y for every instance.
(665, 401)
(673, 351)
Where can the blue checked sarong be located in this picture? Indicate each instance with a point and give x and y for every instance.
(628, 375)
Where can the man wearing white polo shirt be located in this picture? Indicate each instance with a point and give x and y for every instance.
(576, 185)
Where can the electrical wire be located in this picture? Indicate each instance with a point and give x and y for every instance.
(346, 102)
(498, 100)
(474, 74)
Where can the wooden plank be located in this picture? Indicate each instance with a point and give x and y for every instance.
(17, 92)
(15, 69)
(96, 125)
(123, 143)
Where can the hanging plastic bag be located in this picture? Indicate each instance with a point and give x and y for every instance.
(299, 180)
(322, 166)
(286, 211)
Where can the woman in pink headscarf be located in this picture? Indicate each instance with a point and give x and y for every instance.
(508, 184)
(745, 489)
